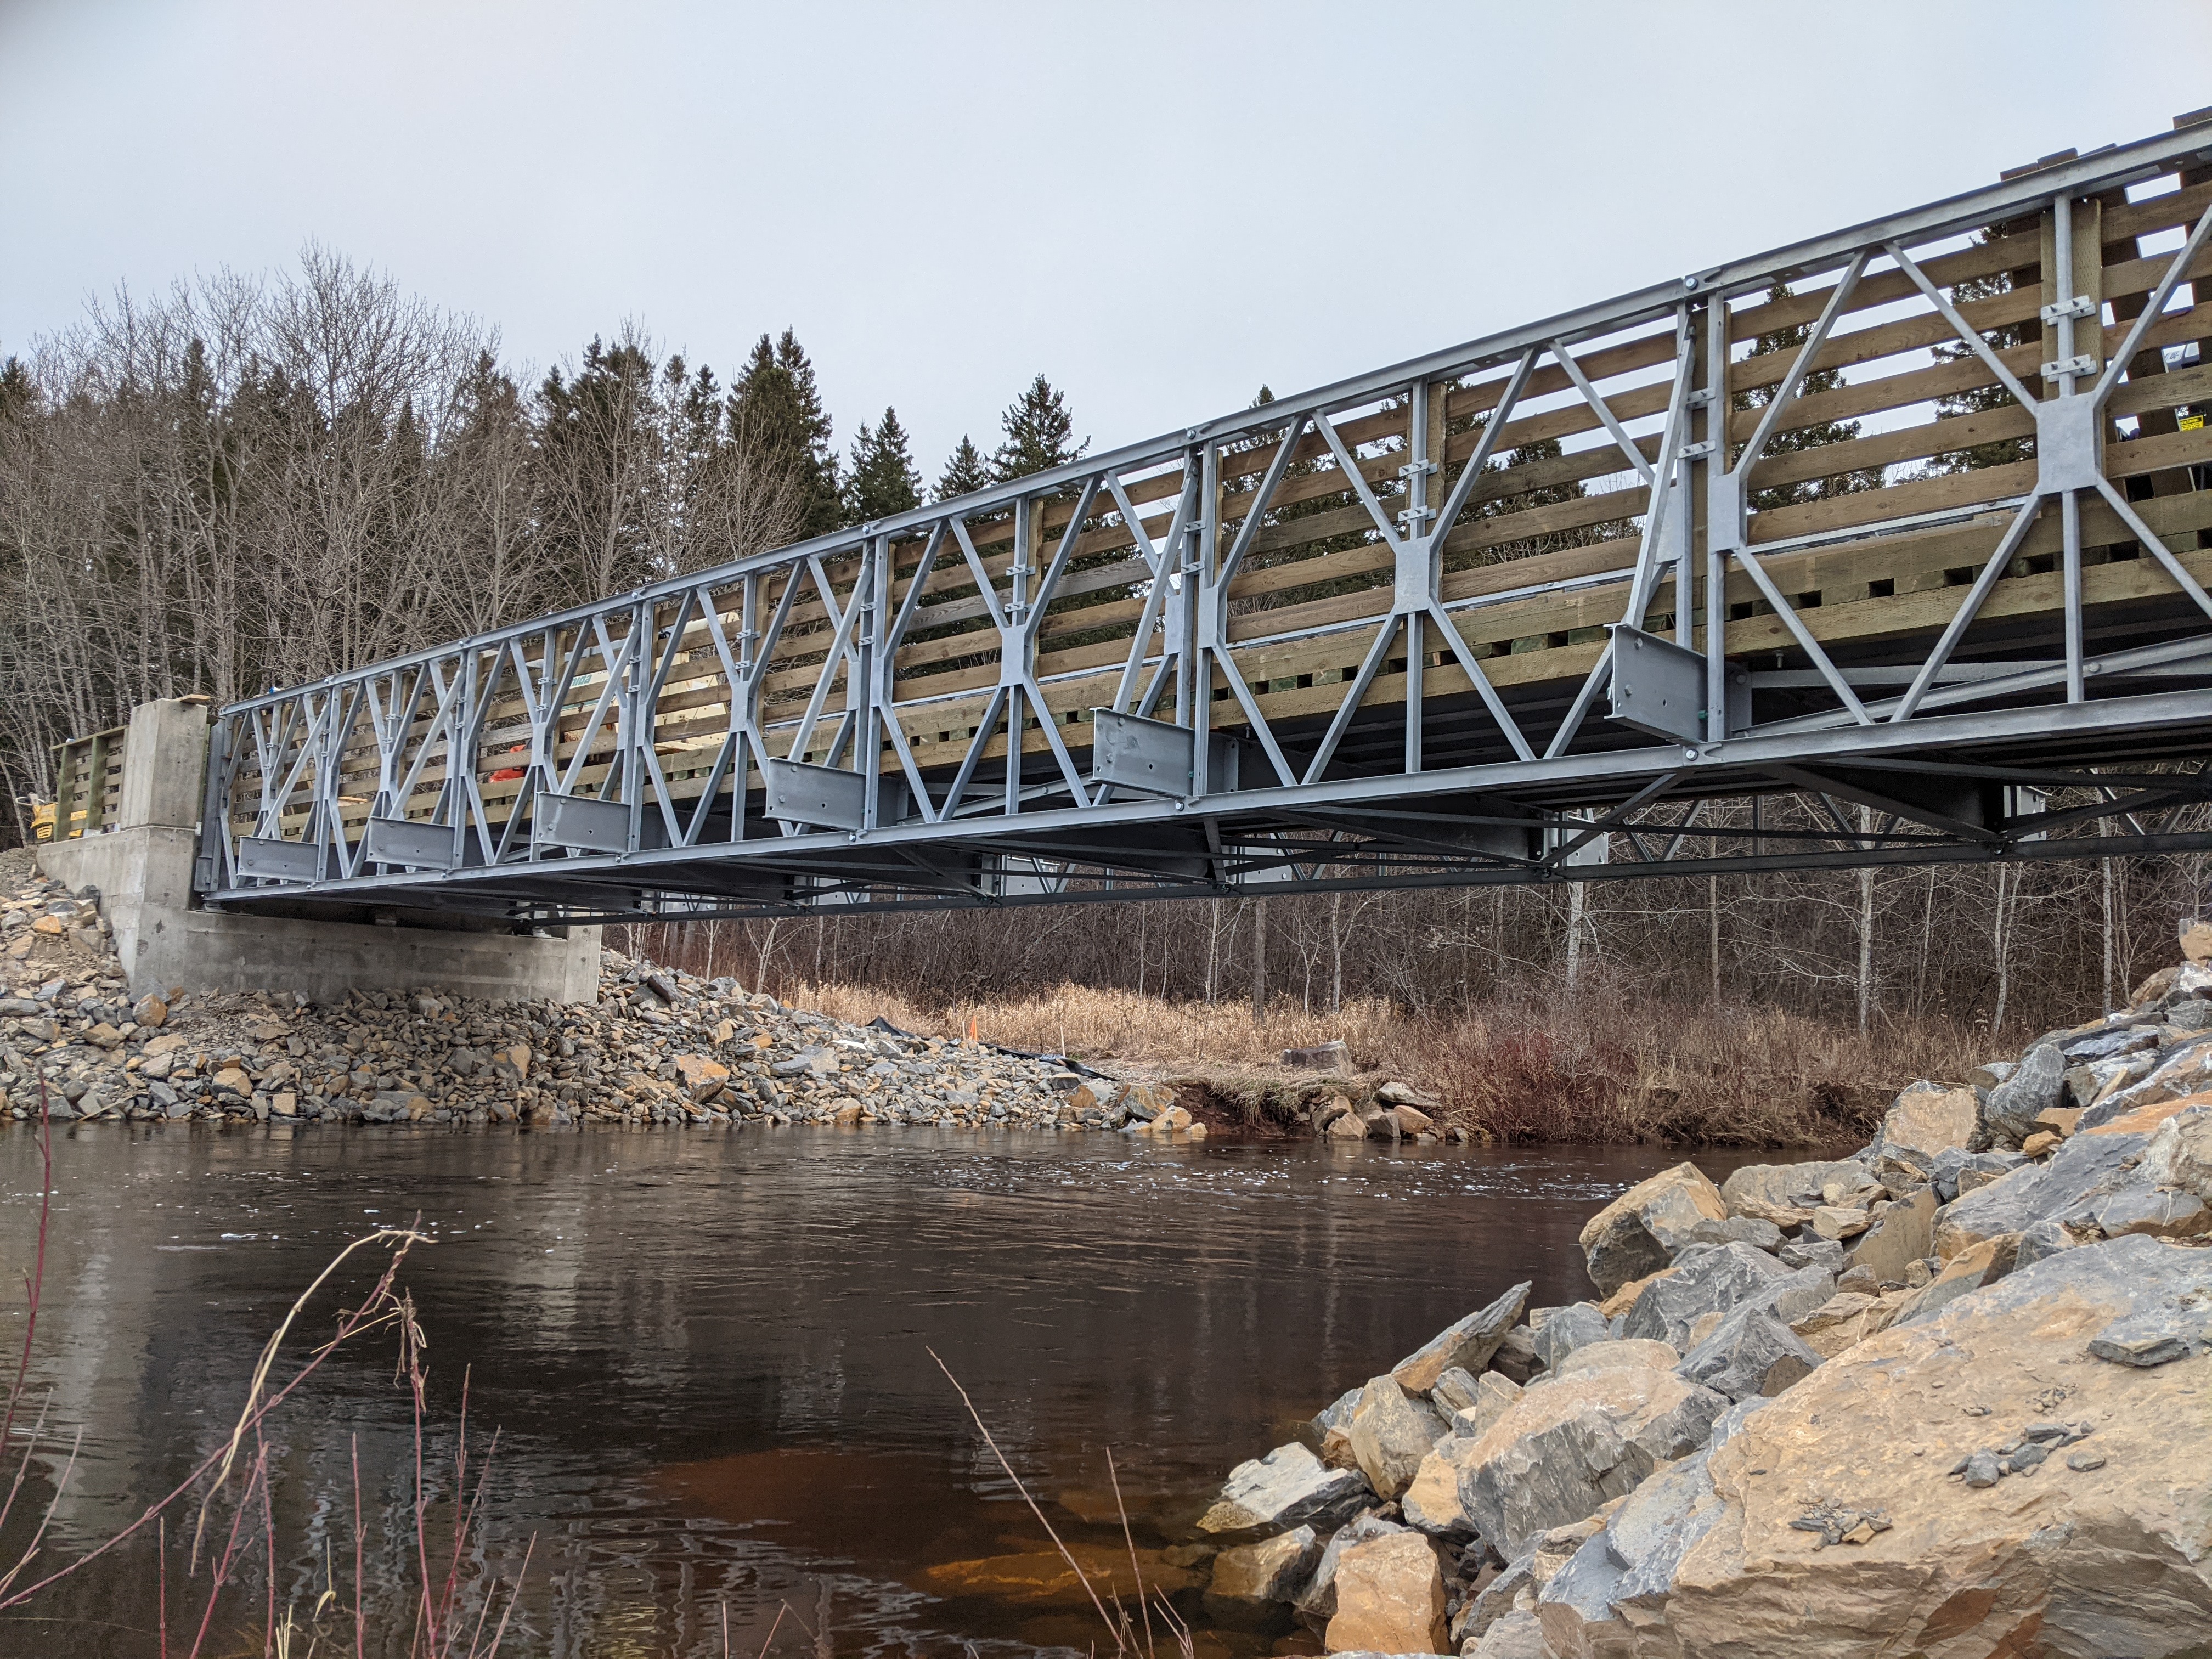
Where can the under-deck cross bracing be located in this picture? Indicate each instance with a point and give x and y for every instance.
(1609, 596)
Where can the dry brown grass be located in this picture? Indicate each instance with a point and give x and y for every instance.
(1605, 1066)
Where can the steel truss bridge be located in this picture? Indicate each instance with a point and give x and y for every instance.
(1609, 596)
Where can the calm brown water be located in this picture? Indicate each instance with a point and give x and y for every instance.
(707, 1354)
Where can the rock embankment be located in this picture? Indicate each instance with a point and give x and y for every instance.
(1952, 1394)
(660, 1047)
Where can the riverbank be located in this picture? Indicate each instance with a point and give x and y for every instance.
(658, 1048)
(1613, 1065)
(1951, 1393)
(1604, 1067)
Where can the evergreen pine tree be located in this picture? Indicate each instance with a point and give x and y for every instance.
(965, 473)
(1038, 429)
(883, 480)
(18, 391)
(776, 411)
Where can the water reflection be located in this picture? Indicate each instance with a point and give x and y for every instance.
(708, 1354)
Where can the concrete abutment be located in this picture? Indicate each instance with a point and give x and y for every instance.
(142, 866)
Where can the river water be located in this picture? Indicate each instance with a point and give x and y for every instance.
(709, 1357)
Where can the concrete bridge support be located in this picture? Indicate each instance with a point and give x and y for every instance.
(143, 865)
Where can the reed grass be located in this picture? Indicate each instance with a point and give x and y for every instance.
(1611, 1063)
(458, 1608)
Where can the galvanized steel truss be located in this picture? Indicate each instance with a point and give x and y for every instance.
(764, 737)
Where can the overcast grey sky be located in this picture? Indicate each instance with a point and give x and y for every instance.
(1157, 205)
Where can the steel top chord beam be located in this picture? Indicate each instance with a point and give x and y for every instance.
(1561, 603)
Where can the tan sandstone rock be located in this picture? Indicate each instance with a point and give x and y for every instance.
(2196, 939)
(1927, 1118)
(1390, 1432)
(1640, 1231)
(1977, 1264)
(1250, 1578)
(1389, 1598)
(1627, 1351)
(1902, 1234)
(701, 1077)
(2143, 1120)
(1466, 1345)
(1836, 1222)
(1843, 1321)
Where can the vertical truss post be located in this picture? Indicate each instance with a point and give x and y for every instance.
(1208, 614)
(2058, 294)
(636, 720)
(460, 759)
(1717, 514)
(1424, 431)
(324, 823)
(875, 675)
(1013, 678)
(744, 697)
(2073, 288)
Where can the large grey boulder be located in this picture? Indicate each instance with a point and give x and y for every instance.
(1455, 1390)
(1337, 1413)
(1640, 1231)
(2044, 1238)
(1391, 1431)
(1826, 1254)
(1288, 1487)
(1631, 1564)
(1570, 1445)
(1714, 1278)
(1467, 1344)
(2037, 1086)
(2087, 1167)
(1823, 1525)
(2161, 1212)
(1517, 1636)
(1493, 1397)
(2179, 1156)
(1435, 1501)
(1752, 1354)
(1565, 1329)
(2183, 1071)
(1755, 1230)
(1951, 1167)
